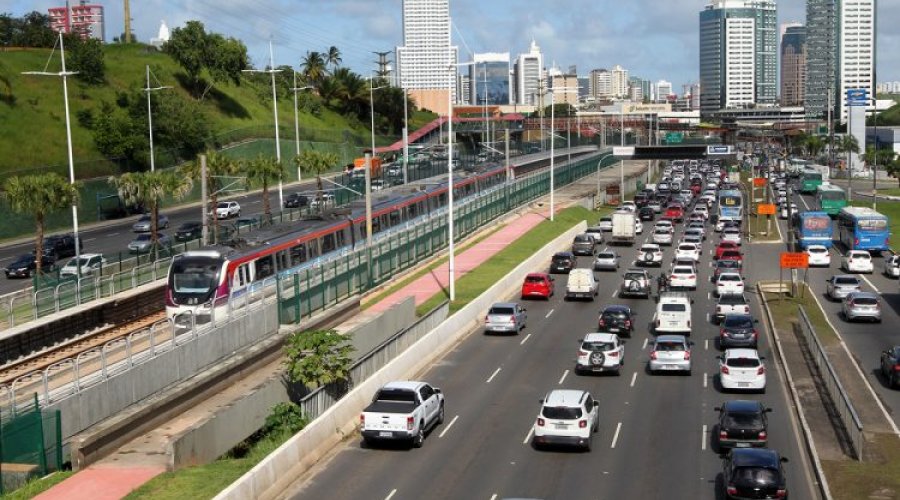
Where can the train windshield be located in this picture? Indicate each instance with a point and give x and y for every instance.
(194, 277)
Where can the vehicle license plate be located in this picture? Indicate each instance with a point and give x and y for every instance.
(385, 434)
(673, 323)
(743, 384)
(560, 426)
(670, 367)
(742, 445)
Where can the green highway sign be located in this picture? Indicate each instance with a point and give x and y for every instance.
(674, 137)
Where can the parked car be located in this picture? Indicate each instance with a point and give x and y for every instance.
(890, 366)
(635, 282)
(600, 352)
(857, 261)
(505, 317)
(607, 260)
(754, 473)
(144, 224)
(730, 304)
(24, 266)
(670, 353)
(89, 264)
(583, 245)
(562, 262)
(892, 266)
(567, 417)
(742, 369)
(403, 410)
(742, 424)
(537, 285)
(228, 209)
(144, 242)
(738, 330)
(617, 319)
(60, 246)
(296, 200)
(861, 305)
(841, 285)
(189, 231)
(819, 256)
(649, 255)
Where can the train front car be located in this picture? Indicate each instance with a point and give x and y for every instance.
(196, 281)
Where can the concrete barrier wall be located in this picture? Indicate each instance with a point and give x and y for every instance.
(213, 436)
(303, 450)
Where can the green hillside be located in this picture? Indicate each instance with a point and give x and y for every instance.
(32, 119)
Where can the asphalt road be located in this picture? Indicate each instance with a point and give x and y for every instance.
(865, 340)
(655, 432)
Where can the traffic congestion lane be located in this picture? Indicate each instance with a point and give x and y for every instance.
(640, 415)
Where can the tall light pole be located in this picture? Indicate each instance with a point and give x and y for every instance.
(64, 74)
(552, 153)
(272, 72)
(148, 90)
(622, 162)
(297, 119)
(451, 77)
(369, 159)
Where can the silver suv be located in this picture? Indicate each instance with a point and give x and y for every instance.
(635, 282)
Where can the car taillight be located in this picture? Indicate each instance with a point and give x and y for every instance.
(723, 435)
(689, 324)
(721, 332)
(687, 355)
(761, 370)
(692, 277)
(897, 368)
(658, 323)
(718, 310)
(724, 370)
(362, 419)
(582, 424)
(731, 490)
(747, 309)
(614, 354)
(512, 319)
(627, 323)
(762, 435)
(602, 322)
(855, 242)
(755, 334)
(653, 355)
(540, 422)
(409, 423)
(781, 494)
(487, 318)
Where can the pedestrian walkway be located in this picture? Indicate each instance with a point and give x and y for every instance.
(101, 483)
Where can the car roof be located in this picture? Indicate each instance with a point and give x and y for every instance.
(742, 353)
(563, 254)
(564, 397)
(504, 304)
(615, 308)
(754, 457)
(403, 384)
(636, 270)
(671, 338)
(600, 337)
(742, 406)
(537, 275)
(845, 276)
(863, 295)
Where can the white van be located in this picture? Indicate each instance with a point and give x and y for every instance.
(581, 284)
(673, 313)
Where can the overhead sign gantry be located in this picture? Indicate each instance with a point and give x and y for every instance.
(686, 152)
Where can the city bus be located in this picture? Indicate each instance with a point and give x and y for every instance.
(730, 204)
(830, 199)
(810, 180)
(814, 228)
(861, 228)
(795, 166)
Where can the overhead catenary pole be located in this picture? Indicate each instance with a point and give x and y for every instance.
(297, 121)
(451, 68)
(272, 72)
(204, 205)
(148, 90)
(552, 153)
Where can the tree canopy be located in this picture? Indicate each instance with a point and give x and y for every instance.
(195, 50)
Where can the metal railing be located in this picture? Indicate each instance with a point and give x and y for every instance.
(846, 411)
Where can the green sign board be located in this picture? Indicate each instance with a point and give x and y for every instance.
(674, 137)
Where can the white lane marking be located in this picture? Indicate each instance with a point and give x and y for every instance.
(863, 276)
(88, 239)
(549, 313)
(494, 497)
(112, 234)
(563, 377)
(706, 344)
(705, 380)
(707, 317)
(488, 381)
(803, 200)
(391, 494)
(448, 427)
(528, 437)
(525, 339)
(614, 293)
(616, 435)
(645, 345)
(703, 438)
(254, 202)
(709, 296)
(633, 378)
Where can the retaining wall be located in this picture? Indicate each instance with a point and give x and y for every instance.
(303, 450)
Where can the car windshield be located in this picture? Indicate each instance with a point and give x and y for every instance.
(863, 256)
(560, 259)
(674, 308)
(142, 237)
(682, 270)
(508, 311)
(606, 255)
(728, 264)
(583, 238)
(535, 279)
(23, 259)
(144, 218)
(743, 420)
(865, 301)
(561, 412)
(607, 315)
(742, 362)
(755, 476)
(738, 322)
(848, 280)
(670, 346)
(662, 230)
(687, 248)
(222, 205)
(606, 219)
(634, 276)
(729, 277)
(597, 346)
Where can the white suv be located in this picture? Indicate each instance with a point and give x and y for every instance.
(600, 352)
(742, 369)
(567, 417)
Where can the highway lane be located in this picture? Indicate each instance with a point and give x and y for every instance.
(655, 437)
(865, 340)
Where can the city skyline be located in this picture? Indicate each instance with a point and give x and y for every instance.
(656, 40)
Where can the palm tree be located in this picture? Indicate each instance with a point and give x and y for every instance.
(333, 57)
(217, 167)
(849, 145)
(39, 195)
(314, 69)
(264, 170)
(316, 162)
(147, 189)
(814, 145)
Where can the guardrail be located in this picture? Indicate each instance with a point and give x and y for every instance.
(846, 411)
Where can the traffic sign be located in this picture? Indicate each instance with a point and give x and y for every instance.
(759, 182)
(794, 260)
(719, 150)
(623, 151)
(674, 137)
(765, 209)
(857, 97)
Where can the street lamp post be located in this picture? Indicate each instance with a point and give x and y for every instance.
(272, 72)
(297, 119)
(552, 155)
(148, 90)
(369, 157)
(64, 74)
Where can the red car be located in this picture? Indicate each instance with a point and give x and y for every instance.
(732, 255)
(726, 245)
(675, 213)
(537, 285)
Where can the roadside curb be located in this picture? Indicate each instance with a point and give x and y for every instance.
(822, 481)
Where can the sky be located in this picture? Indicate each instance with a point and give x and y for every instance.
(653, 39)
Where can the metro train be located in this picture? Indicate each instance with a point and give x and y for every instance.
(200, 279)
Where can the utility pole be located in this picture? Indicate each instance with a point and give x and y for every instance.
(204, 205)
(272, 72)
(383, 63)
(148, 90)
(127, 13)
(297, 120)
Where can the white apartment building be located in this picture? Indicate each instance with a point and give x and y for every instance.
(740, 62)
(619, 78)
(663, 90)
(529, 69)
(857, 50)
(600, 84)
(424, 59)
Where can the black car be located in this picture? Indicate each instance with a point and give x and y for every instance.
(890, 366)
(562, 263)
(738, 330)
(583, 245)
(296, 200)
(59, 246)
(641, 199)
(754, 473)
(725, 266)
(189, 231)
(646, 214)
(616, 319)
(24, 266)
(742, 424)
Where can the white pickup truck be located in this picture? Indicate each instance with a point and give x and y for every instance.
(404, 411)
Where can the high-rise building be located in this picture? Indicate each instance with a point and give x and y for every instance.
(600, 84)
(84, 19)
(793, 64)
(564, 87)
(425, 58)
(619, 80)
(663, 90)
(840, 53)
(584, 83)
(636, 89)
(528, 71)
(888, 88)
(738, 54)
(490, 79)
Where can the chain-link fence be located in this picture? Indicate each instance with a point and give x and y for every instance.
(30, 445)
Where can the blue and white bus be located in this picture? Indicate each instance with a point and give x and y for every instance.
(730, 204)
(861, 228)
(814, 228)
